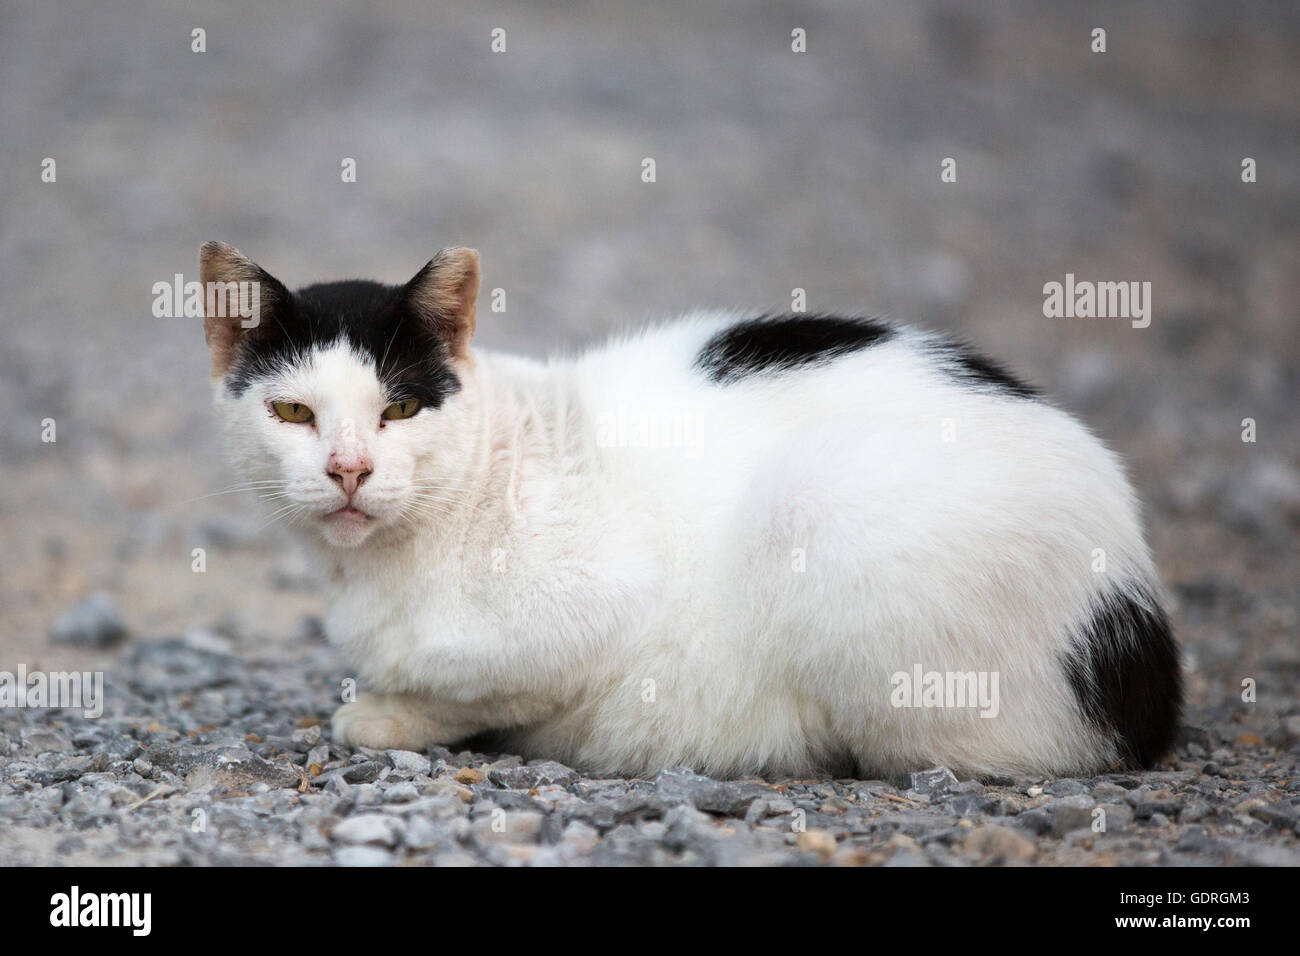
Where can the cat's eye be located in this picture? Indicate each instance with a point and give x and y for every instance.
(293, 412)
(403, 409)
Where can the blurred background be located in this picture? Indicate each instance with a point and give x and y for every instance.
(775, 170)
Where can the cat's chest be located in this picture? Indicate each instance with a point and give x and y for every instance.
(372, 607)
(517, 591)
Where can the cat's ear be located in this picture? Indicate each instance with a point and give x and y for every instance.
(232, 311)
(444, 293)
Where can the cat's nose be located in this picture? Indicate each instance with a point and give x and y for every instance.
(350, 473)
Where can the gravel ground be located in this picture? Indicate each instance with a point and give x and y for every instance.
(209, 757)
(775, 171)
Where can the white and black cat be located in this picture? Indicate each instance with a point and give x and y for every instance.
(726, 542)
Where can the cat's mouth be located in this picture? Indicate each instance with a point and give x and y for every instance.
(348, 514)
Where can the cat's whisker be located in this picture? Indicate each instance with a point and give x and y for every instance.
(426, 496)
(427, 511)
(277, 515)
(430, 502)
(237, 489)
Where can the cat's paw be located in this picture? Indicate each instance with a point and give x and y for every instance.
(382, 722)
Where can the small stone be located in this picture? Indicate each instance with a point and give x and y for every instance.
(581, 838)
(468, 776)
(508, 826)
(368, 828)
(1156, 801)
(1116, 818)
(92, 622)
(993, 842)
(362, 856)
(901, 841)
(423, 834)
(444, 787)
(533, 775)
(1071, 813)
(410, 763)
(366, 795)
(1036, 821)
(937, 780)
(366, 772)
(973, 805)
(820, 842)
(1194, 840)
(727, 797)
(218, 765)
(1064, 788)
(305, 738)
(654, 829)
(1281, 817)
(44, 741)
(403, 792)
(1189, 735)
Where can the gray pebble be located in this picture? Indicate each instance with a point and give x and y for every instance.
(91, 622)
(937, 780)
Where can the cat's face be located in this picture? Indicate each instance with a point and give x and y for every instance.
(340, 403)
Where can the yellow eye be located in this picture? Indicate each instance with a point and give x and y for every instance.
(403, 409)
(293, 412)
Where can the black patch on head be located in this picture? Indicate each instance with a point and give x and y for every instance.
(1124, 670)
(377, 320)
(778, 343)
(973, 368)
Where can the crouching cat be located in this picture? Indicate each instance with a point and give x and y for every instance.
(751, 545)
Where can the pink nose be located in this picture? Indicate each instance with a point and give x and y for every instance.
(350, 472)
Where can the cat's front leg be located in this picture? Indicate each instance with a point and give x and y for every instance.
(392, 722)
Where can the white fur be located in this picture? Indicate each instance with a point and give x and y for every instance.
(534, 568)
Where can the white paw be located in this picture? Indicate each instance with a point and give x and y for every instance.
(377, 722)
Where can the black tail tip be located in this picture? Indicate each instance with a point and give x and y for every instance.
(1126, 673)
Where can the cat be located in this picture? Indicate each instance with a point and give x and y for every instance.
(732, 542)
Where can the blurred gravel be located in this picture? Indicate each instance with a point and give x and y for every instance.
(775, 171)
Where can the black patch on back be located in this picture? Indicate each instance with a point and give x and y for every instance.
(969, 366)
(375, 319)
(1124, 670)
(777, 343)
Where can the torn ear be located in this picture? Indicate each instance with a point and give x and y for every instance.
(237, 295)
(444, 294)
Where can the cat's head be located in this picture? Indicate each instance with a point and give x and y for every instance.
(343, 402)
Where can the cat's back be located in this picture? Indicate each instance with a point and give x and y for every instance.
(735, 359)
(723, 387)
(719, 413)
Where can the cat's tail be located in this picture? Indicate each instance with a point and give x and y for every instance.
(1125, 670)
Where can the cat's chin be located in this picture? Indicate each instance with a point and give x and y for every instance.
(347, 527)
